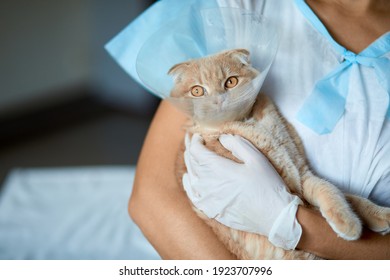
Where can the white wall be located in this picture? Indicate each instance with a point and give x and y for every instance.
(48, 48)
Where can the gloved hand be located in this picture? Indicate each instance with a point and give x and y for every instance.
(250, 197)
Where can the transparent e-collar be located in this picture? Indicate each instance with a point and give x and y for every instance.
(202, 33)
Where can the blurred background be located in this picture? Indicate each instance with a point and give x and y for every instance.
(72, 123)
(63, 99)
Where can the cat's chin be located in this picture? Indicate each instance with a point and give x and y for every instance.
(215, 123)
(211, 127)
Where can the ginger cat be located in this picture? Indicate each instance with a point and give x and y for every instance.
(265, 128)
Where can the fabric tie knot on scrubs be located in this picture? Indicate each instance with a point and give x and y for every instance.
(326, 105)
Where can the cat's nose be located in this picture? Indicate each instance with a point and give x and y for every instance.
(219, 99)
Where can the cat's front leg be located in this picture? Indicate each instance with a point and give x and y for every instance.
(332, 205)
(213, 144)
(375, 217)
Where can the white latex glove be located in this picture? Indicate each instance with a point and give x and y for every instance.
(251, 196)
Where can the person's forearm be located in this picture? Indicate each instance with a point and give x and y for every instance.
(158, 203)
(320, 239)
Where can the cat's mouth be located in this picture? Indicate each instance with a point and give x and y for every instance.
(231, 106)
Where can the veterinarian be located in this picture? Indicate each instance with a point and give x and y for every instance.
(331, 80)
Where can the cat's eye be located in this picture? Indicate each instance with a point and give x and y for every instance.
(231, 82)
(197, 91)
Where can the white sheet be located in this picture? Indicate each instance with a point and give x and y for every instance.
(70, 213)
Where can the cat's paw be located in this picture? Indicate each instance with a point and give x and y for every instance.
(344, 222)
(379, 220)
(374, 217)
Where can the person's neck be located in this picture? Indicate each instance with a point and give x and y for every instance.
(359, 6)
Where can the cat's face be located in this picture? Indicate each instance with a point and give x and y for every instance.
(217, 88)
(213, 75)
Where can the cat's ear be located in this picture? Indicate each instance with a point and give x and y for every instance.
(241, 54)
(178, 69)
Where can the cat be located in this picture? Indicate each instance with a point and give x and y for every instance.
(266, 129)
